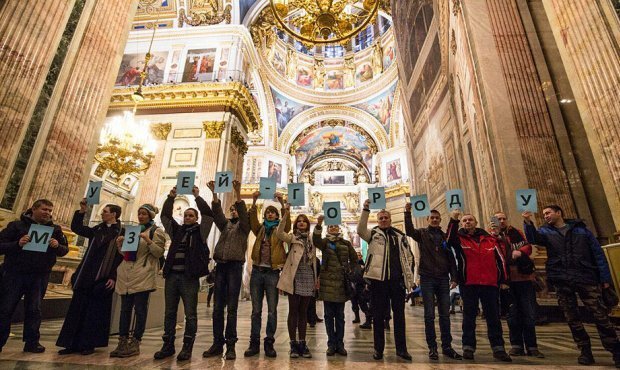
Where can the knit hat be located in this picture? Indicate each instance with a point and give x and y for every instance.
(151, 209)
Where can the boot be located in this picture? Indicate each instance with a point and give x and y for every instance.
(120, 348)
(167, 349)
(294, 352)
(357, 317)
(268, 347)
(586, 357)
(132, 348)
(230, 351)
(252, 350)
(186, 351)
(367, 324)
(303, 349)
(216, 349)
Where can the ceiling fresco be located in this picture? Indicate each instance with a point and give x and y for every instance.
(380, 107)
(286, 109)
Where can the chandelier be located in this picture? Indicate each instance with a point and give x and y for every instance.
(315, 22)
(125, 145)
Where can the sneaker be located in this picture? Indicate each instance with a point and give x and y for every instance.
(451, 353)
(535, 353)
(132, 348)
(120, 348)
(304, 351)
(330, 351)
(502, 356)
(468, 354)
(294, 352)
(515, 351)
(34, 347)
(433, 354)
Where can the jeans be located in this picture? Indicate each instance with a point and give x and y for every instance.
(180, 287)
(334, 323)
(263, 282)
(227, 288)
(129, 302)
(382, 294)
(522, 315)
(436, 288)
(489, 297)
(15, 286)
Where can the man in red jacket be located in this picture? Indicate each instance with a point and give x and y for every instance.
(481, 271)
(522, 310)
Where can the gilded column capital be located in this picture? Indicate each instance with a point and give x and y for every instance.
(213, 129)
(236, 138)
(161, 130)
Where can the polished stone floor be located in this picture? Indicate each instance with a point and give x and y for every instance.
(554, 341)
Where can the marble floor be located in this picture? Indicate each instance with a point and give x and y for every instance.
(554, 341)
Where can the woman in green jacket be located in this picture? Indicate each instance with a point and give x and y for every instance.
(339, 257)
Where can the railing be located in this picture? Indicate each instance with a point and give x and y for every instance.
(175, 78)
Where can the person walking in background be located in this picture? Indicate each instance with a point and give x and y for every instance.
(298, 280)
(576, 266)
(136, 279)
(339, 258)
(26, 273)
(186, 262)
(87, 323)
(229, 255)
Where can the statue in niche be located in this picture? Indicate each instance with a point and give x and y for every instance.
(349, 72)
(377, 174)
(377, 59)
(316, 202)
(352, 202)
(291, 64)
(290, 175)
(360, 176)
(319, 74)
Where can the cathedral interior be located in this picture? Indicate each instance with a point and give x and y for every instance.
(419, 97)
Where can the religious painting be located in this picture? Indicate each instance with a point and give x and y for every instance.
(304, 76)
(274, 171)
(380, 107)
(333, 140)
(393, 170)
(388, 56)
(364, 73)
(199, 64)
(286, 109)
(334, 180)
(173, 74)
(223, 64)
(133, 64)
(278, 62)
(334, 80)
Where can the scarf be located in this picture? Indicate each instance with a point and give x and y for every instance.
(133, 256)
(187, 230)
(303, 237)
(269, 226)
(234, 220)
(334, 238)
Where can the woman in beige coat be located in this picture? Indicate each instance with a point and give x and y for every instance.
(298, 280)
(135, 280)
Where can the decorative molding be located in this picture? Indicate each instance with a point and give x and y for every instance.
(161, 130)
(237, 139)
(213, 129)
(206, 15)
(453, 43)
(228, 96)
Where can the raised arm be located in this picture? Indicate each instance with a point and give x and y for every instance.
(170, 224)
(280, 233)
(219, 218)
(532, 235)
(254, 224)
(77, 223)
(362, 226)
(410, 230)
(452, 233)
(319, 242)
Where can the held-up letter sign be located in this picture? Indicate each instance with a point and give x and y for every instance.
(331, 212)
(377, 198)
(223, 182)
(296, 194)
(527, 200)
(132, 238)
(94, 191)
(40, 236)
(267, 188)
(454, 199)
(185, 182)
(420, 206)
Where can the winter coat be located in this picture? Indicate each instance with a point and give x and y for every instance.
(377, 259)
(198, 238)
(20, 261)
(516, 241)
(480, 256)
(436, 260)
(576, 257)
(331, 277)
(233, 242)
(296, 249)
(139, 275)
(278, 254)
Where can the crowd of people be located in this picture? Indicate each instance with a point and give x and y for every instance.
(483, 263)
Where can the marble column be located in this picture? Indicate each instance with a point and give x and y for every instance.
(587, 33)
(79, 104)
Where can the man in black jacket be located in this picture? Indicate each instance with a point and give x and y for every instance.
(437, 273)
(26, 272)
